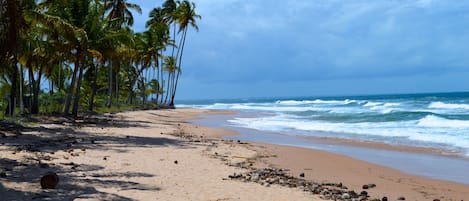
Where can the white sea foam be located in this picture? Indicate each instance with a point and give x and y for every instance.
(317, 101)
(430, 129)
(372, 104)
(441, 105)
(438, 122)
(356, 119)
(382, 107)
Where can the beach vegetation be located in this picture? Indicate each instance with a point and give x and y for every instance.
(81, 56)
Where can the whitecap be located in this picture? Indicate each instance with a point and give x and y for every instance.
(441, 105)
(434, 121)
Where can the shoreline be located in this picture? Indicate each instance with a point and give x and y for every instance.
(400, 157)
(159, 154)
(406, 181)
(439, 151)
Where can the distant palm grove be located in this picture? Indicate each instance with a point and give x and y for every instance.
(71, 56)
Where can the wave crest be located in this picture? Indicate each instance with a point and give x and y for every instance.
(441, 105)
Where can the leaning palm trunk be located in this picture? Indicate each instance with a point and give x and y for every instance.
(168, 87)
(68, 98)
(162, 79)
(179, 70)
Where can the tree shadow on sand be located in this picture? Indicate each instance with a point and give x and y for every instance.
(76, 180)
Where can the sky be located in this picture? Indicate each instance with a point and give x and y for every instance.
(278, 48)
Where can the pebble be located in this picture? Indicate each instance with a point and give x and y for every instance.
(401, 198)
(302, 174)
(272, 176)
(364, 193)
(175, 162)
(384, 198)
(365, 186)
(345, 196)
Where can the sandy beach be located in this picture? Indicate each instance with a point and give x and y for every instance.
(158, 155)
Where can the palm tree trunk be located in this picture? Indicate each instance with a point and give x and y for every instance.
(179, 70)
(12, 43)
(170, 75)
(51, 85)
(94, 88)
(14, 78)
(21, 90)
(157, 80)
(109, 102)
(76, 101)
(59, 81)
(68, 98)
(117, 88)
(35, 92)
(32, 82)
(162, 79)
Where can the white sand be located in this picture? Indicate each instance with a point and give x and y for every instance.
(137, 162)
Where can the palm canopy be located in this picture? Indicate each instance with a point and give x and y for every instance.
(119, 12)
(157, 16)
(169, 10)
(186, 15)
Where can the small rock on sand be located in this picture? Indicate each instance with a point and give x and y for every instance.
(345, 196)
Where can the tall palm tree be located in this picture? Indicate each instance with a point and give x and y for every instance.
(15, 24)
(119, 16)
(186, 16)
(158, 25)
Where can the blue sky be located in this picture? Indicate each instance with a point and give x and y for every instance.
(265, 48)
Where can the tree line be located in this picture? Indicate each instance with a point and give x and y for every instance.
(87, 54)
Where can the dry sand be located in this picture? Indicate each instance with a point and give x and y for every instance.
(130, 157)
(156, 155)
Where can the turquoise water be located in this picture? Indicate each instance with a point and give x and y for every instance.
(439, 120)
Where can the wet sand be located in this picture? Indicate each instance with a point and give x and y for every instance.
(338, 160)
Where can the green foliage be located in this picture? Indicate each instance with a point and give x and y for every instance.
(86, 53)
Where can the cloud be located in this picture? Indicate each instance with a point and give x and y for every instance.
(259, 41)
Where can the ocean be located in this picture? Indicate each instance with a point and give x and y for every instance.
(436, 120)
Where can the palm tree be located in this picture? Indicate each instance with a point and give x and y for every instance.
(171, 67)
(120, 14)
(158, 25)
(15, 24)
(186, 16)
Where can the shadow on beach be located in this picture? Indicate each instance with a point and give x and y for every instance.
(33, 147)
